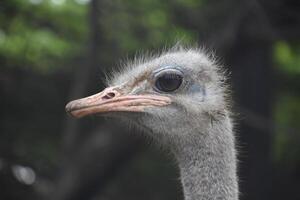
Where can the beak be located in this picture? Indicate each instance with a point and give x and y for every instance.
(113, 100)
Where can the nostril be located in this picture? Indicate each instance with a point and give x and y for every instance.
(109, 95)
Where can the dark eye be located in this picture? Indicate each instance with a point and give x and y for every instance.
(168, 81)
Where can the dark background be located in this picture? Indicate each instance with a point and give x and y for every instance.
(53, 51)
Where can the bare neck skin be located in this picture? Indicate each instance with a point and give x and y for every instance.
(207, 163)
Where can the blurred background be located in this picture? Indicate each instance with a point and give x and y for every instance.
(53, 51)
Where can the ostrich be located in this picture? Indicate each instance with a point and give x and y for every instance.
(180, 99)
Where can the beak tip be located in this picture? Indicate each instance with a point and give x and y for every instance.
(70, 107)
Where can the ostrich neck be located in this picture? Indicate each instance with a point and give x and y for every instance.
(207, 163)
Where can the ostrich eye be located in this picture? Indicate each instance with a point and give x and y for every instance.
(168, 81)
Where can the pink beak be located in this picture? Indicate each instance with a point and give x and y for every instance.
(112, 100)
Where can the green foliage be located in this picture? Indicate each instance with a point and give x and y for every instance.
(287, 112)
(41, 35)
(193, 4)
(143, 24)
(287, 107)
(38, 49)
(287, 57)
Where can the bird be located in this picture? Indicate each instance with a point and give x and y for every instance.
(181, 98)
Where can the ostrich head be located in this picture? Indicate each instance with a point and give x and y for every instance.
(179, 98)
(165, 94)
